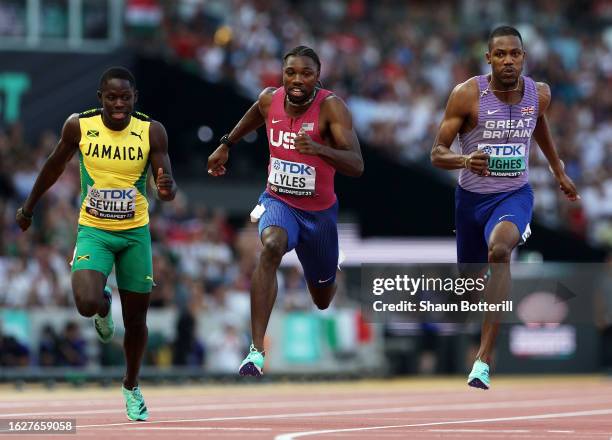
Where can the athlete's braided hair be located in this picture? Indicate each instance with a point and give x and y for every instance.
(305, 51)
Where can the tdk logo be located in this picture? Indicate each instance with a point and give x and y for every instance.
(505, 150)
(292, 167)
(283, 138)
(116, 194)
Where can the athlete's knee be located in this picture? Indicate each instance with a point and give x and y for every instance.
(499, 253)
(138, 324)
(322, 303)
(322, 297)
(86, 305)
(134, 319)
(87, 288)
(273, 251)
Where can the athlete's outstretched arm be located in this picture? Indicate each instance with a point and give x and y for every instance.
(53, 168)
(455, 116)
(542, 135)
(160, 162)
(254, 118)
(345, 155)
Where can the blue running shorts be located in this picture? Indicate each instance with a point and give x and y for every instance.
(477, 214)
(313, 235)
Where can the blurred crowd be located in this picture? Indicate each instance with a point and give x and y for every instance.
(201, 263)
(395, 64)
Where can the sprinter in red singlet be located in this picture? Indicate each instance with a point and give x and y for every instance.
(311, 135)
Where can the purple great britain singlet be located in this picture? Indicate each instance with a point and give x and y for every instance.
(504, 132)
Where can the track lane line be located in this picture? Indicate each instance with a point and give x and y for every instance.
(369, 411)
(294, 435)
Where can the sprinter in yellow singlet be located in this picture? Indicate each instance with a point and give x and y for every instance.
(115, 145)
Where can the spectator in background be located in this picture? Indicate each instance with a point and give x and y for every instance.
(603, 313)
(395, 82)
(227, 345)
(7, 189)
(12, 352)
(164, 268)
(71, 347)
(12, 19)
(294, 293)
(42, 280)
(48, 347)
(187, 350)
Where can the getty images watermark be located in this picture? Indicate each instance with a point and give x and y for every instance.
(543, 293)
(401, 285)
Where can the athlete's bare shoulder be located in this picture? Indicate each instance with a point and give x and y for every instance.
(71, 132)
(464, 98)
(333, 100)
(467, 90)
(334, 108)
(265, 99)
(268, 91)
(73, 119)
(157, 128)
(158, 137)
(155, 122)
(544, 97)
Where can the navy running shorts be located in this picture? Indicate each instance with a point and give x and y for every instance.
(313, 235)
(477, 214)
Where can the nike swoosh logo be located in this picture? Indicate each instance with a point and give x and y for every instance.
(491, 112)
(325, 281)
(507, 215)
(274, 121)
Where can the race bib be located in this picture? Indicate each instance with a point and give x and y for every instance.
(506, 160)
(113, 203)
(292, 178)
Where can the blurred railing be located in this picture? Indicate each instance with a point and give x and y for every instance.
(205, 345)
(61, 25)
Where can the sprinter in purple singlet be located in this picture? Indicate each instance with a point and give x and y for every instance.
(495, 116)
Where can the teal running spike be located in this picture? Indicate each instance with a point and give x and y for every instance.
(105, 327)
(253, 364)
(479, 377)
(134, 404)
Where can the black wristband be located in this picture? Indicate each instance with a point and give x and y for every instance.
(225, 140)
(28, 216)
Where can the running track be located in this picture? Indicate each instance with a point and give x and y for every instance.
(568, 407)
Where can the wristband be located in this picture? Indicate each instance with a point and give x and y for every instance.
(225, 140)
(28, 216)
(562, 167)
